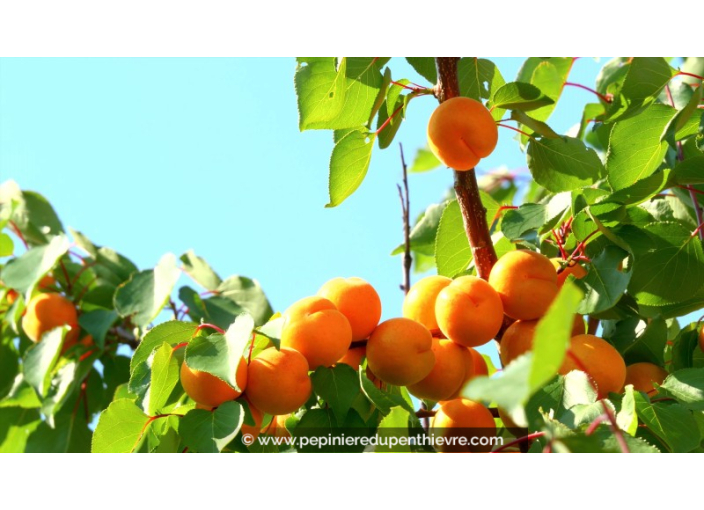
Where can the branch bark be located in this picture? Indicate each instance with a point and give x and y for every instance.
(466, 187)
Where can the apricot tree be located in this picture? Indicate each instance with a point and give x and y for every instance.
(97, 355)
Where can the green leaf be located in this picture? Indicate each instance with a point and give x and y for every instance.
(16, 425)
(146, 293)
(627, 419)
(9, 366)
(172, 332)
(425, 66)
(549, 75)
(650, 345)
(509, 389)
(349, 164)
(520, 96)
(220, 355)
(70, 434)
(604, 284)
(248, 294)
(120, 428)
(211, 431)
(683, 116)
(563, 164)
(552, 336)
(272, 331)
(164, 377)
(197, 268)
(645, 78)
(689, 171)
(320, 90)
(112, 267)
(671, 422)
(97, 323)
(527, 218)
(7, 246)
(425, 160)
(687, 386)
(41, 358)
(31, 212)
(383, 400)
(214, 310)
(391, 428)
(338, 386)
(537, 126)
(672, 272)
(424, 232)
(25, 271)
(479, 78)
(387, 133)
(452, 251)
(635, 149)
(643, 190)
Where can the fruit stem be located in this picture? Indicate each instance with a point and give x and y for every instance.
(514, 129)
(682, 73)
(208, 325)
(405, 210)
(18, 233)
(69, 285)
(387, 121)
(606, 98)
(593, 425)
(615, 428)
(529, 437)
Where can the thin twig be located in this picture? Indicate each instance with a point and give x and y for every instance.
(405, 209)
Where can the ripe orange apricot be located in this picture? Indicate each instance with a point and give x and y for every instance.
(526, 282)
(314, 327)
(278, 381)
(47, 282)
(358, 301)
(11, 297)
(701, 339)
(478, 362)
(573, 268)
(448, 374)
(518, 338)
(354, 357)
(599, 359)
(464, 418)
(469, 311)
(461, 131)
(208, 390)
(419, 303)
(46, 312)
(643, 375)
(400, 352)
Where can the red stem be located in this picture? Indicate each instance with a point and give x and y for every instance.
(208, 325)
(604, 98)
(593, 425)
(69, 285)
(682, 73)
(386, 122)
(251, 348)
(514, 129)
(16, 229)
(520, 440)
(614, 428)
(179, 346)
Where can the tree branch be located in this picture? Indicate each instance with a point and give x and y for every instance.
(466, 187)
(405, 209)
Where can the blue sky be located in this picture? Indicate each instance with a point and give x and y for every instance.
(150, 156)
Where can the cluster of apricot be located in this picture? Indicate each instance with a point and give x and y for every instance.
(48, 310)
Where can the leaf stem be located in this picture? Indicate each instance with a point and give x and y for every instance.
(606, 98)
(529, 437)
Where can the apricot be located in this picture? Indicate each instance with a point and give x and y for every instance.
(469, 311)
(419, 303)
(47, 282)
(643, 375)
(358, 301)
(573, 268)
(314, 327)
(71, 339)
(526, 282)
(46, 312)
(400, 352)
(11, 297)
(518, 338)
(701, 339)
(461, 131)
(599, 359)
(478, 362)
(278, 381)
(208, 390)
(448, 374)
(354, 357)
(464, 418)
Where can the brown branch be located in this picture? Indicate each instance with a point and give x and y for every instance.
(592, 325)
(405, 209)
(125, 337)
(466, 187)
